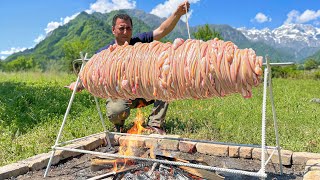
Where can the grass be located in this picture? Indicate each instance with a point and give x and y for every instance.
(32, 106)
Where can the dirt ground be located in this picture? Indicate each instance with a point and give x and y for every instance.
(80, 168)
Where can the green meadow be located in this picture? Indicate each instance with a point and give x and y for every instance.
(32, 106)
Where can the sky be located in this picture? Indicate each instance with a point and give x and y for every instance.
(24, 23)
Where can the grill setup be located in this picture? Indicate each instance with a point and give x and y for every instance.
(153, 165)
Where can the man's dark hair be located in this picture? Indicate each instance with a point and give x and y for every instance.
(121, 16)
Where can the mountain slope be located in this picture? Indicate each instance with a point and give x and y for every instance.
(315, 56)
(95, 29)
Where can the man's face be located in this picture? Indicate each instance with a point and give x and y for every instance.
(122, 31)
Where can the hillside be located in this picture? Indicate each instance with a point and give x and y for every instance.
(94, 29)
(316, 57)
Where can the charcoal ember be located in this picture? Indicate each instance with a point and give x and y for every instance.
(129, 176)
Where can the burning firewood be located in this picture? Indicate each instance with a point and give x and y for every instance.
(194, 171)
(114, 173)
(102, 162)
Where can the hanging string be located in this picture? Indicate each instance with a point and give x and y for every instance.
(187, 19)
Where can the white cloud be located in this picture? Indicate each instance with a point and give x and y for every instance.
(54, 25)
(39, 38)
(261, 18)
(167, 8)
(292, 17)
(3, 57)
(309, 15)
(69, 18)
(12, 50)
(295, 16)
(105, 6)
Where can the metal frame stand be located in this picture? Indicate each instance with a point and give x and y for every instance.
(261, 173)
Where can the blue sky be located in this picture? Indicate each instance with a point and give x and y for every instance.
(26, 22)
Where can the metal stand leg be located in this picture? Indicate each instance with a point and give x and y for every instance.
(64, 119)
(274, 119)
(103, 124)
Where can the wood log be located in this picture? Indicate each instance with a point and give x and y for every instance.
(98, 164)
(111, 161)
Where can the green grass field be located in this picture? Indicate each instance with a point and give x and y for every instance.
(32, 106)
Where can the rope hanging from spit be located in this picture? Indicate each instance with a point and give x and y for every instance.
(187, 21)
(190, 69)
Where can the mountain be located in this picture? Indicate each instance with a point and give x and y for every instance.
(93, 31)
(261, 48)
(301, 40)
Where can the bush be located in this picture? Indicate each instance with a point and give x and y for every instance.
(295, 72)
(310, 64)
(317, 75)
(285, 72)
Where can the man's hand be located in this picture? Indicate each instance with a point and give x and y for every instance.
(183, 8)
(72, 86)
(167, 26)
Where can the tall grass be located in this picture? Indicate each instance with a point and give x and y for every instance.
(32, 106)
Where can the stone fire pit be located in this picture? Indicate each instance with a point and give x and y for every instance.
(73, 165)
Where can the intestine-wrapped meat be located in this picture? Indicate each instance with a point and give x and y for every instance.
(164, 71)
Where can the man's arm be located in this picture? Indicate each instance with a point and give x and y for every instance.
(167, 26)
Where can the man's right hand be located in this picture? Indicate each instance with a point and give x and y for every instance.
(183, 8)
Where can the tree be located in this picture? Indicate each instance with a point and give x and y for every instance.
(22, 63)
(72, 50)
(205, 33)
(310, 64)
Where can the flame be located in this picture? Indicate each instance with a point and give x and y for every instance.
(137, 127)
(115, 166)
(127, 148)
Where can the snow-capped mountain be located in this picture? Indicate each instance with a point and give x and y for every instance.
(301, 39)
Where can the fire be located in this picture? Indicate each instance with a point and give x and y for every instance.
(127, 148)
(137, 127)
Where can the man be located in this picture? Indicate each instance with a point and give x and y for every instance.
(119, 110)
